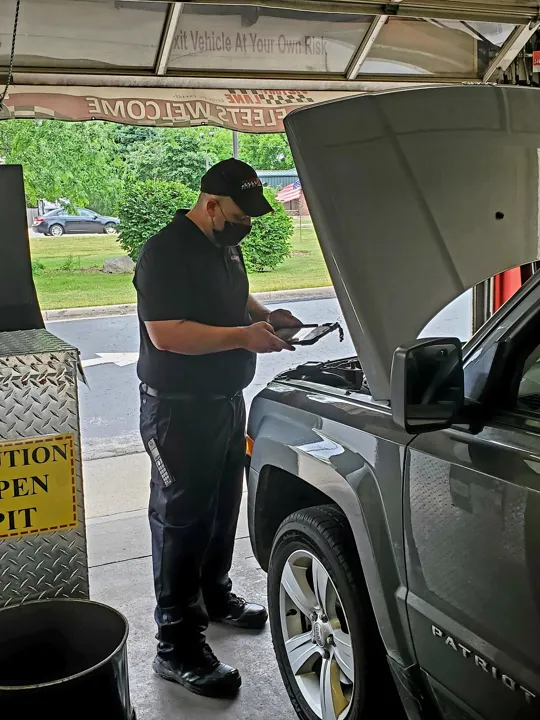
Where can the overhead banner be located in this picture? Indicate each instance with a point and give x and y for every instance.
(253, 111)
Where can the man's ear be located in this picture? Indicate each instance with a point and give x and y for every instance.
(212, 207)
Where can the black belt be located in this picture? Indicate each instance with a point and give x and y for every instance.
(183, 396)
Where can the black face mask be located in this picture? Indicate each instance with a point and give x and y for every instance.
(231, 234)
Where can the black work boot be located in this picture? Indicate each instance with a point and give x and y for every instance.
(239, 613)
(202, 673)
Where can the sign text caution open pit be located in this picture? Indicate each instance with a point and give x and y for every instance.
(38, 492)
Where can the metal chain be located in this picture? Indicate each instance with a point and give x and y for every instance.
(12, 57)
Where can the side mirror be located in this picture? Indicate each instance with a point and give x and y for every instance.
(427, 385)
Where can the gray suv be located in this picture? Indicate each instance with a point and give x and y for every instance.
(394, 497)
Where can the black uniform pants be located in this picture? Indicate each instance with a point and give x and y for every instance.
(193, 519)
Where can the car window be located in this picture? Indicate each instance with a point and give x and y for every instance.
(85, 213)
(53, 213)
(528, 397)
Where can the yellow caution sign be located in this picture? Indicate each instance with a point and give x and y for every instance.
(38, 486)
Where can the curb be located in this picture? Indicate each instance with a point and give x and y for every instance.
(277, 296)
(89, 312)
(305, 294)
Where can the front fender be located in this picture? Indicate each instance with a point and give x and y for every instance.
(343, 463)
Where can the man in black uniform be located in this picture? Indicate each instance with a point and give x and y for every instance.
(200, 330)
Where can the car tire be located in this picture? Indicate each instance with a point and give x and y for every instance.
(110, 228)
(56, 230)
(332, 663)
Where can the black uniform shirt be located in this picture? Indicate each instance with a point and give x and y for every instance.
(182, 275)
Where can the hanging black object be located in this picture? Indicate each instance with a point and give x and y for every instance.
(19, 307)
(12, 56)
(64, 659)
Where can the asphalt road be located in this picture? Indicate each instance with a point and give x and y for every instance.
(109, 406)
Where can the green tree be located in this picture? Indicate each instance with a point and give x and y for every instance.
(181, 154)
(146, 207)
(266, 152)
(73, 162)
(172, 156)
(268, 243)
(218, 141)
(128, 137)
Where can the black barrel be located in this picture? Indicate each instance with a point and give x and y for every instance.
(64, 659)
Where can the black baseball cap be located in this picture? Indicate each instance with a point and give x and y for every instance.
(237, 180)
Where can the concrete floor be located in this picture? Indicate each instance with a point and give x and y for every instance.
(120, 576)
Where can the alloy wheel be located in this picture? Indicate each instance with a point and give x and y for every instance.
(317, 636)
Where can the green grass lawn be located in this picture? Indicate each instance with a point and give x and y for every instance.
(67, 270)
(304, 269)
(74, 252)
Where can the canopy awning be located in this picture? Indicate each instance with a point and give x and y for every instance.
(240, 48)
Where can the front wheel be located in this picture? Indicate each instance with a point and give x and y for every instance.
(110, 228)
(327, 651)
(56, 230)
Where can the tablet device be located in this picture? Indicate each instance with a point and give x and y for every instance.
(307, 334)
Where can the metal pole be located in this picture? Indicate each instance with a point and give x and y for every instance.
(167, 41)
(482, 304)
(235, 143)
(365, 46)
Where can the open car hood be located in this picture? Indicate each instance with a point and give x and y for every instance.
(416, 196)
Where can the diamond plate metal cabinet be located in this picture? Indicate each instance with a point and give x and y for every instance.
(38, 399)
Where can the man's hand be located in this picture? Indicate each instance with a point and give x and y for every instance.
(260, 338)
(283, 319)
